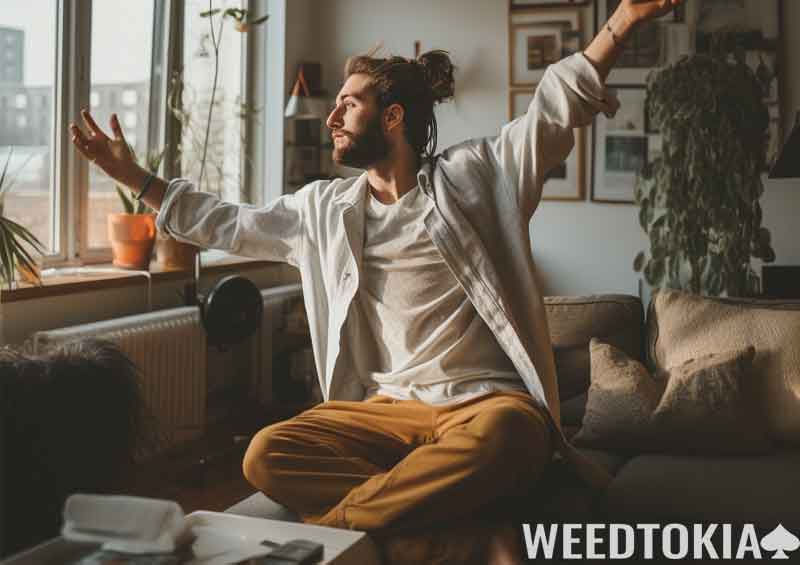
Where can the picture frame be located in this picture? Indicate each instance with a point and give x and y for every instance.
(752, 28)
(651, 45)
(528, 4)
(621, 146)
(538, 39)
(567, 182)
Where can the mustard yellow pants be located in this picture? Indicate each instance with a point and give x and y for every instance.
(401, 466)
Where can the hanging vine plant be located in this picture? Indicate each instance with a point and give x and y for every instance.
(699, 199)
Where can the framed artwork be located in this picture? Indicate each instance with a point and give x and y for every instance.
(752, 33)
(568, 180)
(538, 39)
(653, 44)
(621, 146)
(524, 4)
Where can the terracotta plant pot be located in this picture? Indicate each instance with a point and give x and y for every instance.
(132, 238)
(174, 254)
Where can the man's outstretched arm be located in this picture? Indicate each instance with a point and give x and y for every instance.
(274, 232)
(604, 49)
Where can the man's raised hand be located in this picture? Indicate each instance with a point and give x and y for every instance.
(112, 154)
(642, 10)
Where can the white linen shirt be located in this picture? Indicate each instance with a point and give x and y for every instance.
(484, 191)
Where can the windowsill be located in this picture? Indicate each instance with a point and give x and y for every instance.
(60, 285)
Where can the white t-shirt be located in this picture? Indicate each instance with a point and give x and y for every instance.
(419, 337)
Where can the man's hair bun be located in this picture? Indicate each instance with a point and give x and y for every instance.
(439, 70)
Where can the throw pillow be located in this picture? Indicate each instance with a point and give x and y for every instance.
(622, 397)
(697, 407)
(685, 326)
(705, 409)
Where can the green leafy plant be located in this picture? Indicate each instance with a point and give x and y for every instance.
(699, 199)
(194, 112)
(13, 236)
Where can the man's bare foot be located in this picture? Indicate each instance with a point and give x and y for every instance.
(505, 547)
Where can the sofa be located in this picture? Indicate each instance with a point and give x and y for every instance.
(656, 487)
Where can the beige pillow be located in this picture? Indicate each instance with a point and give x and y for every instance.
(684, 326)
(705, 407)
(622, 397)
(697, 407)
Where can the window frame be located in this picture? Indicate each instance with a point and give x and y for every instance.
(71, 92)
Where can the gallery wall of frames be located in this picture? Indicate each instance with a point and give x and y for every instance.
(608, 155)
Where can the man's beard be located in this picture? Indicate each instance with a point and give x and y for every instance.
(364, 149)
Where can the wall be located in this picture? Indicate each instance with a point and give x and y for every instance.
(580, 247)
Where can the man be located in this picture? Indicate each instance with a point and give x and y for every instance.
(428, 328)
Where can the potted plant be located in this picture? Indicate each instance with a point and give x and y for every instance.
(132, 233)
(699, 199)
(14, 256)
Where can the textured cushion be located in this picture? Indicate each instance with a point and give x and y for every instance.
(573, 321)
(738, 489)
(622, 398)
(700, 406)
(707, 407)
(684, 326)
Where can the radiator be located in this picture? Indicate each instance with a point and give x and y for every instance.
(277, 301)
(169, 348)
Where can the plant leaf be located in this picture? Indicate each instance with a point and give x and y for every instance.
(638, 262)
(209, 13)
(260, 20)
(126, 201)
(3, 186)
(6, 256)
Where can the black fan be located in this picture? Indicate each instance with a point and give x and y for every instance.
(232, 311)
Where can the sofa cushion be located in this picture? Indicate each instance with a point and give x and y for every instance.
(622, 398)
(573, 320)
(683, 326)
(688, 489)
(699, 406)
(706, 407)
(560, 495)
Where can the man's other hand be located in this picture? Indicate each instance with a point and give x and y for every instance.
(637, 11)
(113, 155)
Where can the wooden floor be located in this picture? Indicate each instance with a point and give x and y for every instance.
(205, 474)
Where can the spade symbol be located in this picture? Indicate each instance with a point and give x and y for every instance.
(780, 540)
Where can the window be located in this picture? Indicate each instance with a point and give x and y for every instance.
(223, 173)
(59, 196)
(31, 200)
(121, 58)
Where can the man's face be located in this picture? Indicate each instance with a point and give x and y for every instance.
(355, 124)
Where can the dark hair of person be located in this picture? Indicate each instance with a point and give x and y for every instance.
(416, 84)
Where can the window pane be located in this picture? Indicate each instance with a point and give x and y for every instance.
(121, 84)
(27, 75)
(223, 174)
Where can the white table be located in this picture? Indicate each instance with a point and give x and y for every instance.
(342, 547)
(225, 538)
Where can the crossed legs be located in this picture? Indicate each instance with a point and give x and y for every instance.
(384, 465)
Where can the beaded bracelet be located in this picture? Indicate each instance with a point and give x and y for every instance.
(145, 186)
(614, 38)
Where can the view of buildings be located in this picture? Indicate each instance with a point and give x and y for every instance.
(26, 128)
